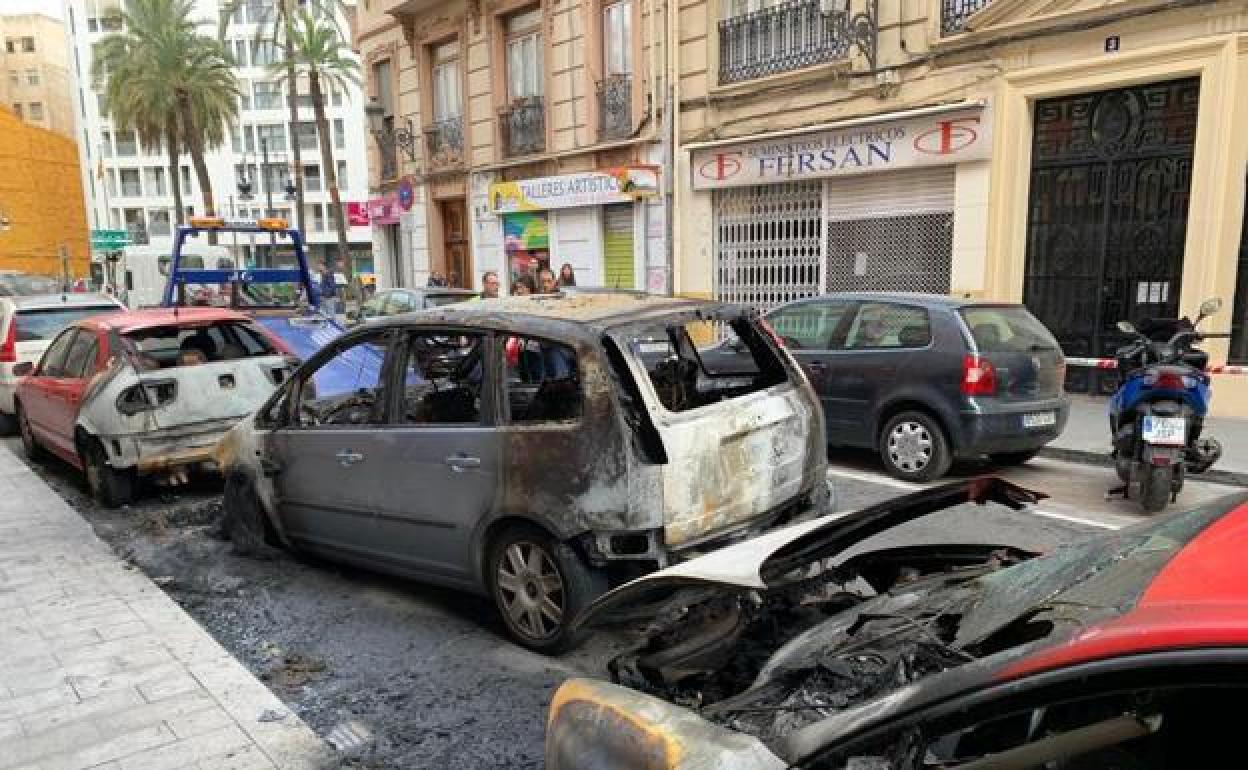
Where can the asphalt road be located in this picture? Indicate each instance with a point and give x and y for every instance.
(402, 675)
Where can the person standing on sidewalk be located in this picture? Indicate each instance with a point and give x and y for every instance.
(329, 288)
(489, 285)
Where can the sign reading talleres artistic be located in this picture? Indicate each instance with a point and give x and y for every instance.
(590, 188)
(931, 140)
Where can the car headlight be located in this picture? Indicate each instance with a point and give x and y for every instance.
(599, 726)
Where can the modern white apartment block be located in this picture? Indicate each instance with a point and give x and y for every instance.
(126, 185)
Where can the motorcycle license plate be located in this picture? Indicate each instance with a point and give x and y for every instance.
(1166, 431)
(1039, 419)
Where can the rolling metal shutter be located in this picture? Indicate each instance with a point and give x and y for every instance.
(767, 242)
(891, 232)
(617, 245)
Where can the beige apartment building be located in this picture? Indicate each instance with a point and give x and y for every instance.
(513, 135)
(1087, 157)
(34, 71)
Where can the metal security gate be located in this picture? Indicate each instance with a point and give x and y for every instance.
(617, 245)
(768, 243)
(891, 232)
(1110, 179)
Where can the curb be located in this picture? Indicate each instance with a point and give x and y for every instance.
(1213, 475)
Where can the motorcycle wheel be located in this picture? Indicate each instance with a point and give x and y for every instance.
(1155, 487)
(1122, 466)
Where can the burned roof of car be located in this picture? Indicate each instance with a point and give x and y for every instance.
(579, 313)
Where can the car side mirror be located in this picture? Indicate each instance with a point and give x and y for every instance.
(1126, 327)
(24, 369)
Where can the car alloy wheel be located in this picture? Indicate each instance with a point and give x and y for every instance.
(531, 589)
(910, 446)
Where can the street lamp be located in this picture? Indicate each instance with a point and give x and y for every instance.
(402, 138)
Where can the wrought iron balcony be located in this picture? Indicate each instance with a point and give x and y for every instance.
(615, 107)
(523, 126)
(793, 35)
(444, 141)
(954, 13)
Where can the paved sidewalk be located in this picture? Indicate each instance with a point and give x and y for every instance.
(100, 669)
(1086, 439)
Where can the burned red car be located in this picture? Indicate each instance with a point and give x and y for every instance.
(806, 648)
(145, 393)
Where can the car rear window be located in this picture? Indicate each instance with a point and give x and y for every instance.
(1006, 329)
(164, 347)
(688, 369)
(45, 323)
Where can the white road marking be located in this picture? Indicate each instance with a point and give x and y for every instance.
(909, 486)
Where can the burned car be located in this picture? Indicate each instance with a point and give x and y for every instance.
(807, 648)
(537, 450)
(145, 393)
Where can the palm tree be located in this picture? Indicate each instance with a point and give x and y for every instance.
(163, 77)
(315, 46)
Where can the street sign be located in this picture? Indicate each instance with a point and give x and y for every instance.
(109, 240)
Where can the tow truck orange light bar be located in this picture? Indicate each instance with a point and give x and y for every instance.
(220, 223)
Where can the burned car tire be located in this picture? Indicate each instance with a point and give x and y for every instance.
(914, 447)
(538, 585)
(111, 488)
(244, 520)
(30, 445)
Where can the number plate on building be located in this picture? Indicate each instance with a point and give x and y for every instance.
(1167, 431)
(1039, 419)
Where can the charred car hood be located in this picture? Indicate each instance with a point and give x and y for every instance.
(752, 564)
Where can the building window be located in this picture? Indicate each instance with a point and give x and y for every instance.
(130, 186)
(17, 109)
(110, 23)
(306, 131)
(315, 216)
(155, 181)
(763, 37)
(186, 183)
(32, 77)
(158, 222)
(335, 97)
(106, 144)
(340, 133)
(244, 96)
(36, 110)
(135, 222)
(14, 78)
(615, 90)
(240, 52)
(445, 135)
(249, 138)
(523, 122)
(127, 145)
(28, 45)
(101, 104)
(263, 53)
(112, 182)
(259, 11)
(384, 94)
(273, 136)
(268, 95)
(312, 178)
(341, 176)
(524, 55)
(236, 139)
(275, 177)
(93, 24)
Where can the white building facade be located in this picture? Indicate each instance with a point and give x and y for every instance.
(126, 184)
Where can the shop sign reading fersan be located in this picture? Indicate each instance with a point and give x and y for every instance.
(929, 140)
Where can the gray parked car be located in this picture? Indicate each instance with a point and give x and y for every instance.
(389, 302)
(538, 450)
(925, 378)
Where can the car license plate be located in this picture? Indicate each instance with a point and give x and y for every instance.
(1039, 419)
(1167, 431)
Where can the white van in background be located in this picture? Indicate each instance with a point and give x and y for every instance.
(144, 270)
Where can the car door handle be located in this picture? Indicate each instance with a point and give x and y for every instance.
(461, 462)
(347, 458)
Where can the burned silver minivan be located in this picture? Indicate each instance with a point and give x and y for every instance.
(538, 450)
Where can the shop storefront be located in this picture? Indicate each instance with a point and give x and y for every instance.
(862, 205)
(593, 222)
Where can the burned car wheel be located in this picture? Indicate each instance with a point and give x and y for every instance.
(29, 443)
(538, 585)
(244, 519)
(110, 486)
(914, 448)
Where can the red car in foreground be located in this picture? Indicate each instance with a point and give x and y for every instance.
(145, 393)
(1125, 651)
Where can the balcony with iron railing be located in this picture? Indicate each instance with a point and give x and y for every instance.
(954, 14)
(444, 143)
(523, 127)
(793, 35)
(615, 107)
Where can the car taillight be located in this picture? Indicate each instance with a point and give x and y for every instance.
(979, 378)
(8, 351)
